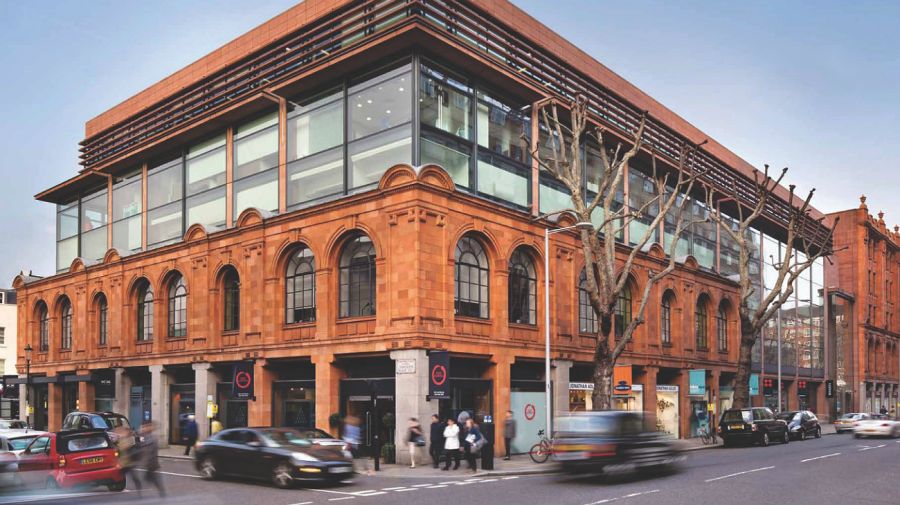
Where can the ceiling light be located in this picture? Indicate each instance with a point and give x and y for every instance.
(400, 88)
(369, 101)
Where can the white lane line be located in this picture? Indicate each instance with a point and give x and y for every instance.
(820, 457)
(516, 476)
(868, 448)
(474, 480)
(632, 495)
(740, 473)
(331, 491)
(302, 503)
(448, 482)
(52, 497)
(421, 485)
(342, 498)
(392, 488)
(437, 486)
(489, 480)
(370, 493)
(173, 473)
(464, 483)
(407, 489)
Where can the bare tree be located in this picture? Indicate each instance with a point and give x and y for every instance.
(608, 271)
(755, 310)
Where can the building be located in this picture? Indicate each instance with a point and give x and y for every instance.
(339, 193)
(865, 321)
(9, 404)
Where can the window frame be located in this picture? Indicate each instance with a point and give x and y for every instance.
(144, 313)
(65, 325)
(522, 276)
(666, 318)
(231, 300)
(177, 308)
(482, 272)
(624, 311)
(43, 328)
(302, 256)
(587, 318)
(722, 329)
(346, 275)
(102, 318)
(701, 324)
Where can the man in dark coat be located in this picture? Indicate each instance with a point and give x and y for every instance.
(436, 440)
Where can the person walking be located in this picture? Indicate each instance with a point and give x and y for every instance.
(451, 444)
(150, 457)
(883, 410)
(129, 455)
(414, 438)
(353, 437)
(190, 434)
(509, 433)
(436, 440)
(474, 443)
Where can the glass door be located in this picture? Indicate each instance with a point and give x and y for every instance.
(181, 404)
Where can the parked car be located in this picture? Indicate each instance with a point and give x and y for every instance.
(801, 424)
(71, 458)
(281, 455)
(15, 441)
(110, 422)
(876, 425)
(752, 425)
(12, 424)
(845, 422)
(612, 442)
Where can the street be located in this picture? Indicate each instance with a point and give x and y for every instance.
(833, 469)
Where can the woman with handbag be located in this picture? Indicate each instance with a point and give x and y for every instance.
(474, 442)
(415, 439)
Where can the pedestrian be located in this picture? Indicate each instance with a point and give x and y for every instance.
(190, 434)
(474, 443)
(451, 444)
(215, 426)
(150, 457)
(893, 413)
(509, 433)
(414, 439)
(436, 440)
(353, 437)
(129, 455)
(461, 420)
(883, 410)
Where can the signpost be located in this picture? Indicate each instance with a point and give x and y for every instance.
(438, 375)
(242, 381)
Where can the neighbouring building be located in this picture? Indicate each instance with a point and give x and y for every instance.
(9, 398)
(865, 321)
(330, 198)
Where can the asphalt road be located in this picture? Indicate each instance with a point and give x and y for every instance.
(835, 469)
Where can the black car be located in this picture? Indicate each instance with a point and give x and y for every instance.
(801, 424)
(752, 425)
(612, 442)
(113, 424)
(281, 455)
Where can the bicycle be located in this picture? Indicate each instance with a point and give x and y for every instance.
(541, 451)
(708, 435)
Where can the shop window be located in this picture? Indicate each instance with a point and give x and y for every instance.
(522, 288)
(472, 279)
(300, 287)
(65, 324)
(144, 312)
(177, 307)
(232, 300)
(587, 318)
(357, 278)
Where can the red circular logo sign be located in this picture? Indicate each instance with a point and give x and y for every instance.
(439, 375)
(529, 411)
(242, 380)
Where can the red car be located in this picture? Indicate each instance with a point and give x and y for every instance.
(72, 458)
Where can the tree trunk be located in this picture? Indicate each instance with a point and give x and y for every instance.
(603, 375)
(745, 359)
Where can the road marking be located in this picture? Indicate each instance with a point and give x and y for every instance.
(342, 498)
(173, 473)
(632, 495)
(421, 485)
(50, 497)
(437, 486)
(868, 448)
(392, 488)
(474, 480)
(448, 482)
(820, 457)
(370, 493)
(405, 490)
(489, 480)
(740, 473)
(331, 491)
(464, 483)
(516, 476)
(302, 503)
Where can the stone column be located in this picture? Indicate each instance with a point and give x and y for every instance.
(260, 410)
(650, 377)
(559, 375)
(54, 407)
(205, 380)
(500, 373)
(23, 402)
(328, 381)
(122, 383)
(159, 405)
(85, 394)
(684, 404)
(410, 397)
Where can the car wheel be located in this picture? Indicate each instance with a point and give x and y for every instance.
(118, 486)
(764, 441)
(208, 469)
(282, 476)
(818, 432)
(787, 437)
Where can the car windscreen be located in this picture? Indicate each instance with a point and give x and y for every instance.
(286, 438)
(313, 433)
(82, 443)
(737, 416)
(12, 425)
(110, 422)
(849, 417)
(789, 416)
(17, 444)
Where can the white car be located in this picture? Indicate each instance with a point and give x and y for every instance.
(877, 425)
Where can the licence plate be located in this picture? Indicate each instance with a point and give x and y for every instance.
(735, 426)
(91, 461)
(341, 469)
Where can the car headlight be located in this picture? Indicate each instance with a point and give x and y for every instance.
(303, 457)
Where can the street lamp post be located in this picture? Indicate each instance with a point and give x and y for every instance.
(28, 350)
(547, 232)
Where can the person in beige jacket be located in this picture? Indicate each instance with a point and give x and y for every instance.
(451, 444)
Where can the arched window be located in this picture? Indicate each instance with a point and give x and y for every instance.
(357, 279)
(623, 311)
(102, 316)
(145, 312)
(231, 287)
(177, 307)
(300, 287)
(665, 318)
(701, 323)
(522, 288)
(722, 327)
(44, 333)
(587, 318)
(65, 324)
(472, 279)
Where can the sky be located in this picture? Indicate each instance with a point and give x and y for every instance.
(812, 85)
